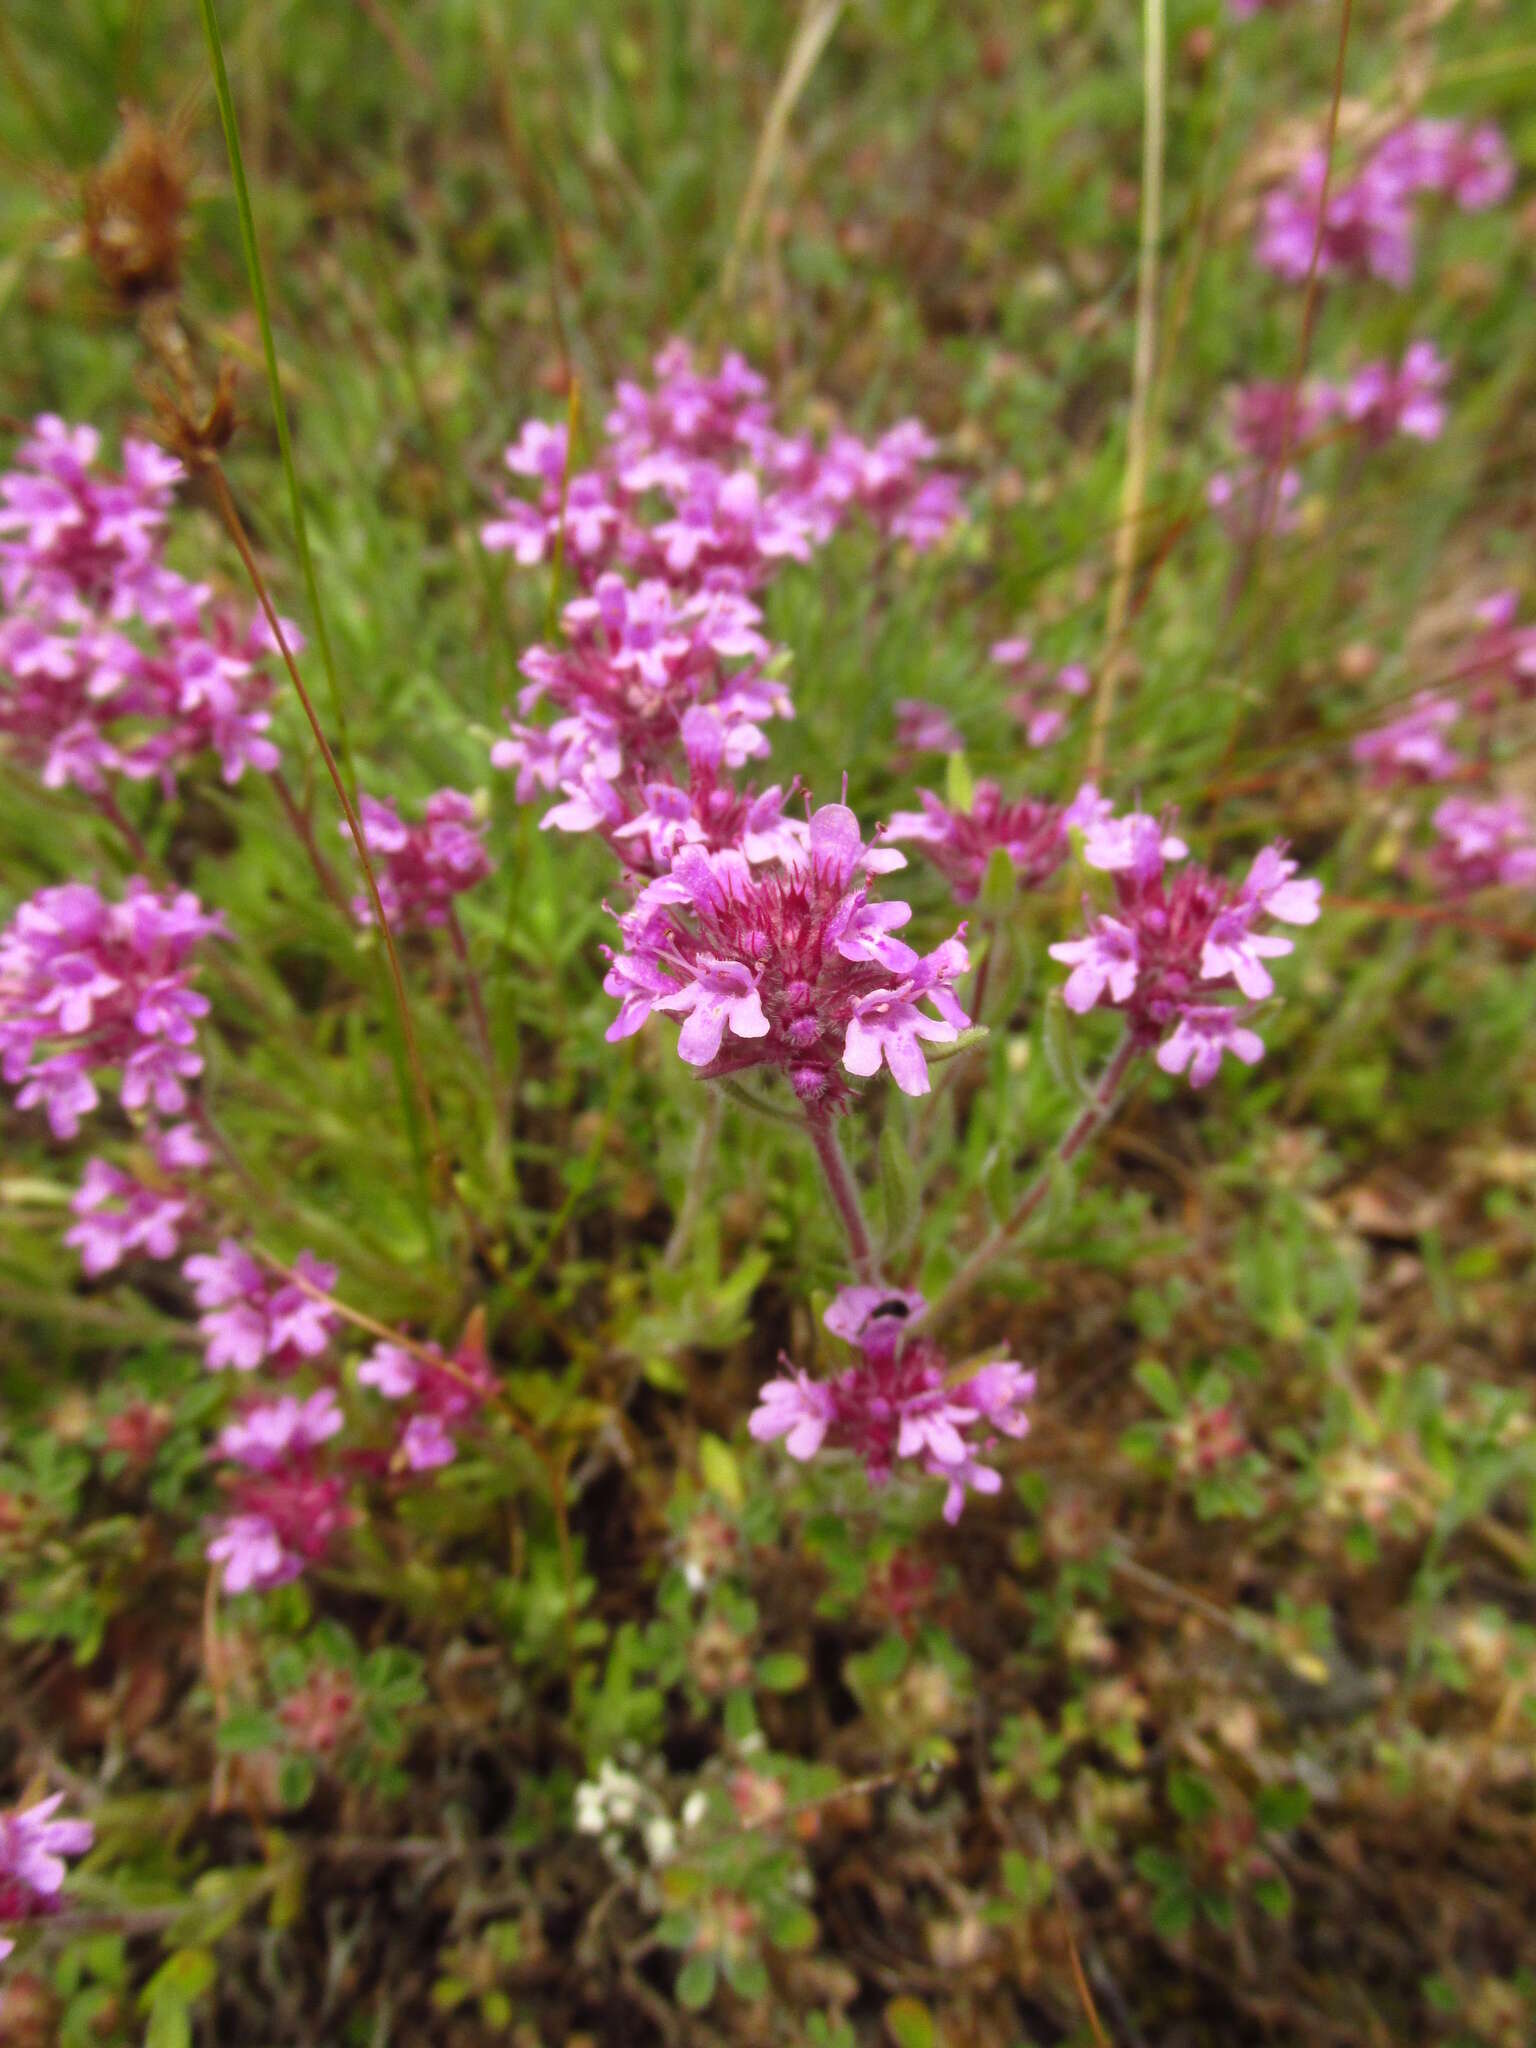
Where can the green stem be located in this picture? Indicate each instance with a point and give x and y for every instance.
(1089, 1121)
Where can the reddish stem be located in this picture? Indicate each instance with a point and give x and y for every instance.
(113, 814)
(325, 874)
(845, 1196)
(472, 989)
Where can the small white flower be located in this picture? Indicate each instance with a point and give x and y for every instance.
(660, 1838)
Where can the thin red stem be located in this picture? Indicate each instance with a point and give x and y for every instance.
(845, 1196)
(112, 812)
(325, 874)
(472, 989)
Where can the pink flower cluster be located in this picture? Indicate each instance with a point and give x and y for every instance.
(1502, 659)
(33, 1846)
(1032, 832)
(648, 675)
(899, 1400)
(1487, 845)
(287, 1493)
(1368, 223)
(1037, 702)
(1480, 843)
(923, 728)
(110, 663)
(1412, 748)
(1377, 403)
(791, 963)
(435, 1394)
(1380, 402)
(666, 680)
(87, 985)
(253, 1317)
(421, 868)
(286, 1506)
(118, 1217)
(1175, 946)
(695, 484)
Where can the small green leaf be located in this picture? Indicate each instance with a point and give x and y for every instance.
(722, 1474)
(909, 2024)
(1172, 1913)
(783, 1671)
(1159, 1386)
(999, 884)
(246, 1729)
(747, 1977)
(1190, 1796)
(664, 1375)
(793, 1927)
(959, 788)
(170, 2025)
(1279, 1807)
(1060, 1044)
(295, 1780)
(696, 1983)
(1274, 1895)
(181, 1979)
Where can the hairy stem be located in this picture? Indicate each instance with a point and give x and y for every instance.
(845, 1196)
(1089, 1121)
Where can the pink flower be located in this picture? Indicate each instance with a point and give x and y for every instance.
(33, 1848)
(1200, 1038)
(926, 728)
(1367, 229)
(1484, 845)
(96, 985)
(118, 1216)
(425, 1444)
(1104, 961)
(421, 868)
(1412, 748)
(252, 1554)
(793, 958)
(897, 1400)
(1037, 706)
(273, 1433)
(440, 1392)
(1171, 948)
(81, 700)
(960, 844)
(887, 1024)
(798, 1409)
(1381, 401)
(251, 1315)
(721, 993)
